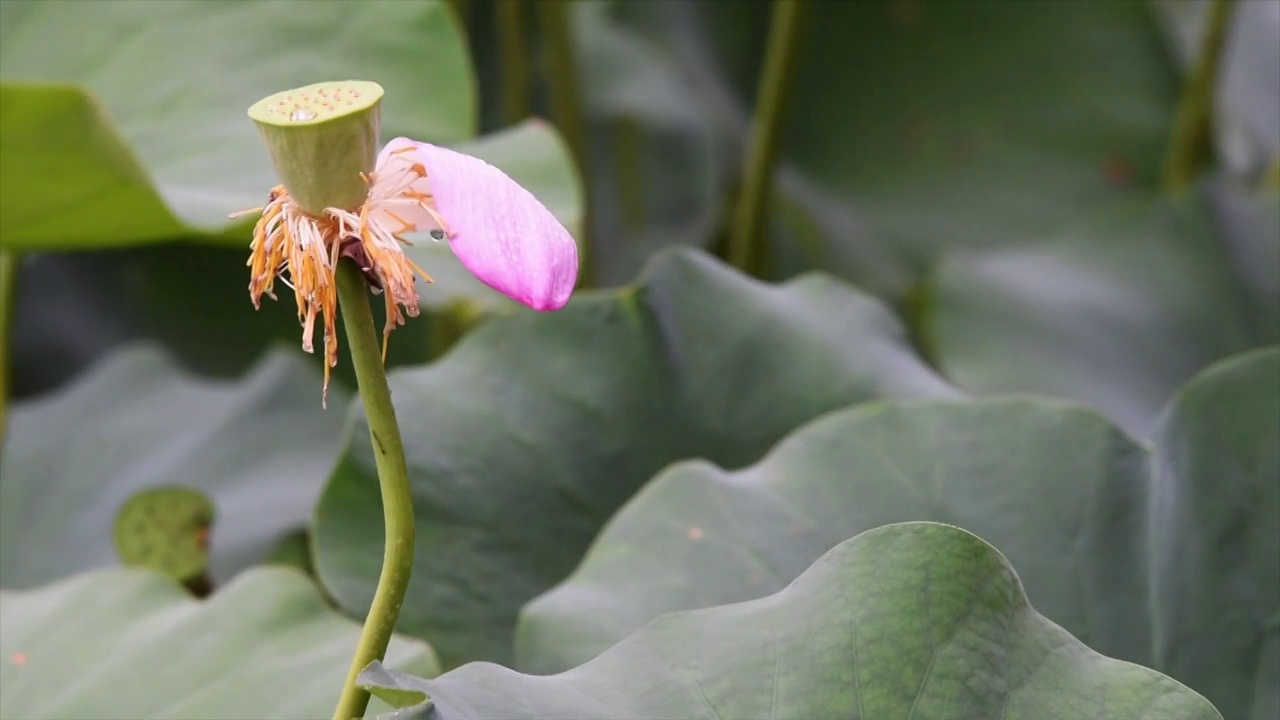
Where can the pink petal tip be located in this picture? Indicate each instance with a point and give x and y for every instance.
(497, 229)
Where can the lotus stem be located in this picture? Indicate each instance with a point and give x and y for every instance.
(393, 478)
(1193, 126)
(746, 236)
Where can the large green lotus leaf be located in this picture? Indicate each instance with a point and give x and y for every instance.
(1055, 485)
(131, 644)
(1132, 296)
(1216, 541)
(535, 155)
(76, 179)
(1068, 496)
(887, 166)
(537, 427)
(124, 121)
(1071, 90)
(886, 161)
(260, 448)
(913, 620)
(1117, 312)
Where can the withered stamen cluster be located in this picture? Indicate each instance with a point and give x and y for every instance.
(289, 241)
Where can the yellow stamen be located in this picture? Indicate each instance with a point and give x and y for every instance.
(404, 226)
(241, 213)
(386, 329)
(439, 220)
(418, 269)
(304, 252)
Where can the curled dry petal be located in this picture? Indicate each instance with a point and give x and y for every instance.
(498, 230)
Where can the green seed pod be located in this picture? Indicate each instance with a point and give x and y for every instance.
(321, 137)
(165, 529)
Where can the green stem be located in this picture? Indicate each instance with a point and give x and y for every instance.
(566, 108)
(1272, 178)
(513, 54)
(1193, 126)
(393, 477)
(8, 292)
(628, 163)
(746, 235)
(460, 11)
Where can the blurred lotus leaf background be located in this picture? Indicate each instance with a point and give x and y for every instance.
(924, 362)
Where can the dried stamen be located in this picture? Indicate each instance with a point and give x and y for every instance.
(304, 250)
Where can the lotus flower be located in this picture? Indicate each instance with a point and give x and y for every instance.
(499, 231)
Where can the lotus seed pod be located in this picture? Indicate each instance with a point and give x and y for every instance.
(321, 138)
(165, 529)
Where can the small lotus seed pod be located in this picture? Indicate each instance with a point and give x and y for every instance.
(323, 140)
(165, 529)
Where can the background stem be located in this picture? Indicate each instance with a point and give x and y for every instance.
(1193, 126)
(1272, 178)
(461, 10)
(8, 296)
(393, 477)
(746, 235)
(628, 164)
(513, 61)
(566, 109)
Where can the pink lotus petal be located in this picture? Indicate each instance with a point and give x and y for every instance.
(498, 230)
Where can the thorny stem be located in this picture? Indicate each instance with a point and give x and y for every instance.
(566, 108)
(746, 236)
(393, 477)
(1193, 125)
(8, 283)
(512, 61)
